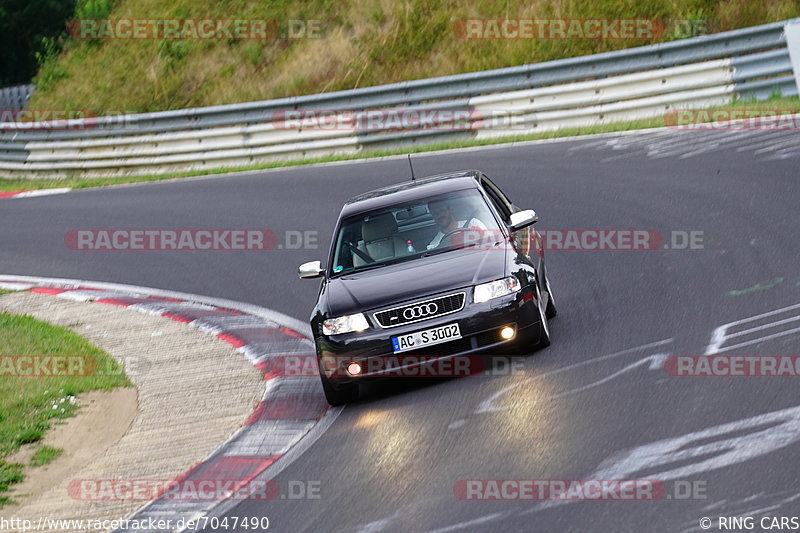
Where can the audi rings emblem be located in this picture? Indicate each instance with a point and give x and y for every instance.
(420, 311)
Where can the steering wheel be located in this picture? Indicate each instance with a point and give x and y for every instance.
(447, 235)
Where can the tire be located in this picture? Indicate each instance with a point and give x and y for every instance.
(551, 311)
(544, 327)
(346, 394)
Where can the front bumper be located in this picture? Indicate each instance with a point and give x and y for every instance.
(479, 325)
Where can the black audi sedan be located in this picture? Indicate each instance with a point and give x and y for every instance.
(425, 271)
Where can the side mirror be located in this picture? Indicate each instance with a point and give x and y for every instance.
(522, 219)
(312, 269)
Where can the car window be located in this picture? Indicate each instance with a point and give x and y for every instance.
(497, 200)
(497, 189)
(410, 230)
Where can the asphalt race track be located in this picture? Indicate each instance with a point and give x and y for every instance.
(596, 404)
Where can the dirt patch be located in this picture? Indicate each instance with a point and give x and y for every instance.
(193, 391)
(101, 421)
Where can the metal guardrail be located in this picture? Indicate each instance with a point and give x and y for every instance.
(15, 98)
(597, 89)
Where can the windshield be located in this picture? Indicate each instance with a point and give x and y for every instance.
(410, 230)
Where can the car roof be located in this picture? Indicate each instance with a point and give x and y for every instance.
(412, 190)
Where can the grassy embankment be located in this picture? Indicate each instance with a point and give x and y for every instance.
(362, 43)
(30, 405)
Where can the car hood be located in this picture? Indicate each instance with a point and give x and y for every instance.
(413, 279)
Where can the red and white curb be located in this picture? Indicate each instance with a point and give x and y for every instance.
(292, 408)
(33, 193)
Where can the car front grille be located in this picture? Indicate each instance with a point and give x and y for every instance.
(419, 311)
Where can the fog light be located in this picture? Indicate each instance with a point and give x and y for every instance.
(353, 368)
(507, 333)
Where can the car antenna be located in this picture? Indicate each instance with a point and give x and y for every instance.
(412, 167)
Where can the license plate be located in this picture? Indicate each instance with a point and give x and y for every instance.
(429, 337)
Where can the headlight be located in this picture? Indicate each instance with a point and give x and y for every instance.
(345, 324)
(494, 289)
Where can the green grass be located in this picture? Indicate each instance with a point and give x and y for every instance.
(44, 455)
(364, 43)
(9, 475)
(776, 103)
(29, 406)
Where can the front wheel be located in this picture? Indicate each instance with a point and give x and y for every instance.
(341, 396)
(551, 311)
(544, 327)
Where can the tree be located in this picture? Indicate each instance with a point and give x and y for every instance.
(25, 28)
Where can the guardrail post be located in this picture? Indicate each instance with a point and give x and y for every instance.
(792, 31)
(15, 98)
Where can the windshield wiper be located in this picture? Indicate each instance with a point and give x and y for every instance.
(364, 268)
(437, 251)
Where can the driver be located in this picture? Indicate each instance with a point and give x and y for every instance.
(443, 216)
